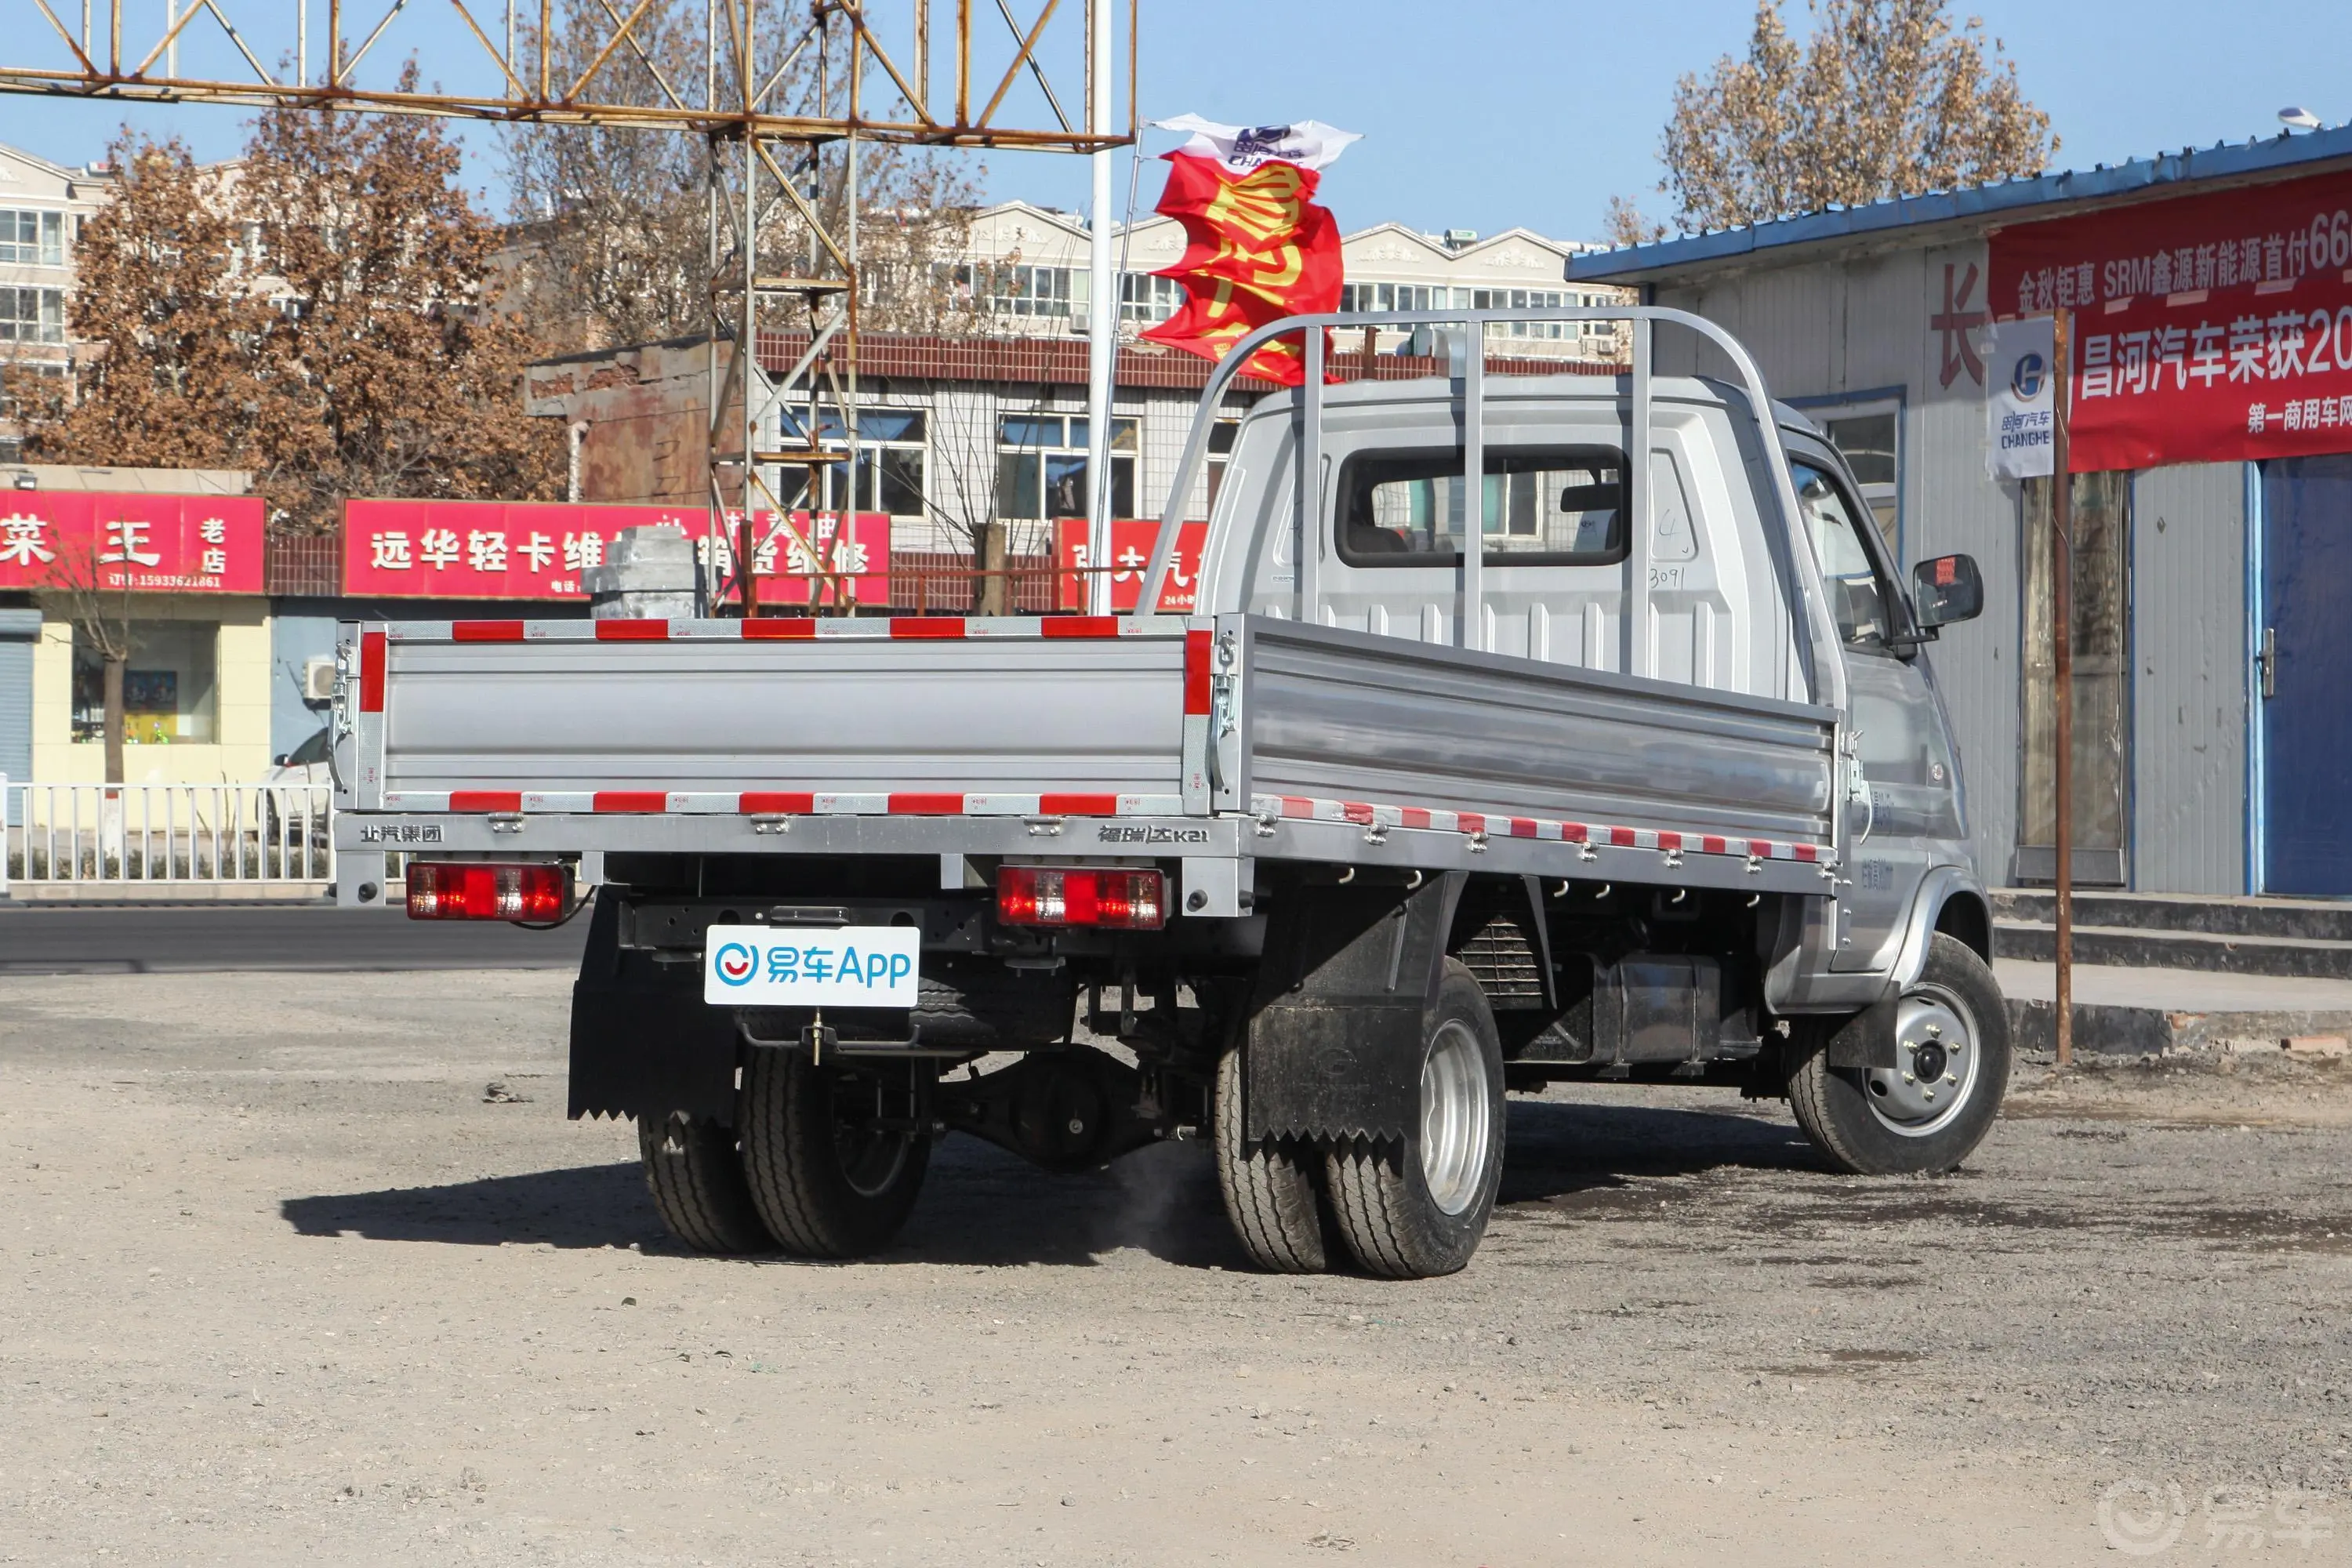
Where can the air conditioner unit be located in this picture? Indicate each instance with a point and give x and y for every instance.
(318, 680)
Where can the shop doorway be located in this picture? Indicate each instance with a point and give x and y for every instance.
(2101, 634)
(2304, 667)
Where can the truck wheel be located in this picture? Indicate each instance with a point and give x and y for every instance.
(1270, 1187)
(696, 1181)
(1928, 1114)
(826, 1177)
(1417, 1207)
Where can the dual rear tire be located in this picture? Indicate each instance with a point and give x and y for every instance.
(815, 1166)
(1402, 1208)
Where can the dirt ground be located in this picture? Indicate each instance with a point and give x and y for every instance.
(284, 1284)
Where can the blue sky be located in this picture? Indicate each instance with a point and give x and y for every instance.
(1486, 113)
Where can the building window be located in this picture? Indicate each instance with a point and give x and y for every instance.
(1437, 297)
(890, 457)
(32, 315)
(1394, 296)
(168, 684)
(24, 387)
(1866, 435)
(1144, 298)
(1000, 288)
(1041, 466)
(1529, 299)
(32, 238)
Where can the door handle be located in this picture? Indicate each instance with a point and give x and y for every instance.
(2266, 662)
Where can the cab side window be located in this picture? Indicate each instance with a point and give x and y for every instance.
(1857, 599)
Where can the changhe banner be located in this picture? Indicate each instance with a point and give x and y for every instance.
(537, 549)
(145, 543)
(2020, 392)
(2213, 329)
(1258, 247)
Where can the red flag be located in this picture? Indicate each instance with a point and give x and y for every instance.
(1258, 249)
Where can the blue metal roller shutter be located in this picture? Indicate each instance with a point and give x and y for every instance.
(19, 631)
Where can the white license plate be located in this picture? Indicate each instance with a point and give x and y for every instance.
(805, 966)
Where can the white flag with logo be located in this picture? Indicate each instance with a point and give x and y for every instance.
(1310, 143)
(2021, 402)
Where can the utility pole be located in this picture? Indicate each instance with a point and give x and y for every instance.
(2061, 650)
(1102, 345)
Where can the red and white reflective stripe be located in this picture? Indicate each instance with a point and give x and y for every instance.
(786, 628)
(1362, 813)
(784, 802)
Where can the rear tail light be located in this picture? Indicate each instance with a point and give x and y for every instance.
(475, 890)
(1082, 896)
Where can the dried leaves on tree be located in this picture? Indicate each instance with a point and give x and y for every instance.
(394, 371)
(1889, 97)
(173, 381)
(320, 313)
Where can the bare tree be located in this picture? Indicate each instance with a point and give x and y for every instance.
(614, 224)
(1888, 98)
(75, 590)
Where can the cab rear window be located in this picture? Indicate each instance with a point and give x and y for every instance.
(1543, 506)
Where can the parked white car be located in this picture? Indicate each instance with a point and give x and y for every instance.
(298, 789)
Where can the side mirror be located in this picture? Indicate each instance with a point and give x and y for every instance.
(1945, 590)
(279, 760)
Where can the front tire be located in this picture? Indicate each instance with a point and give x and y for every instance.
(828, 1175)
(1929, 1112)
(1271, 1188)
(696, 1181)
(1417, 1207)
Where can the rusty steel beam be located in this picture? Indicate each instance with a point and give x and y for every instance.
(93, 65)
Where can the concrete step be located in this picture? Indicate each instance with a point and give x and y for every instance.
(2141, 947)
(2152, 1012)
(2325, 920)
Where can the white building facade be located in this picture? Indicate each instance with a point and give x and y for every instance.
(1026, 271)
(42, 207)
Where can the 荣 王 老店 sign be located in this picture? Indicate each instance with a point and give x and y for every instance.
(2021, 401)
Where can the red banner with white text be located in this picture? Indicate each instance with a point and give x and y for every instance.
(147, 544)
(2209, 329)
(535, 550)
(1131, 539)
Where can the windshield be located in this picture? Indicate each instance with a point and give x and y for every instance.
(1855, 597)
(313, 750)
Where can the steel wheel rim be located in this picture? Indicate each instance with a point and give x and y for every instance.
(871, 1158)
(1934, 1029)
(1456, 1117)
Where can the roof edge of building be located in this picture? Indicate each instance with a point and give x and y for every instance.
(2260, 161)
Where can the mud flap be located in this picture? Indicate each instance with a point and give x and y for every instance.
(1867, 1039)
(1333, 1046)
(644, 1043)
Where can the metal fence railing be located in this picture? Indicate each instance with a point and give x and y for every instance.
(162, 836)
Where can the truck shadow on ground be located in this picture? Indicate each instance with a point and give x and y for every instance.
(984, 1206)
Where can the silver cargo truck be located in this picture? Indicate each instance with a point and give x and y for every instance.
(1643, 777)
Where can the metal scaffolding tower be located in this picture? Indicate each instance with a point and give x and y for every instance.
(791, 91)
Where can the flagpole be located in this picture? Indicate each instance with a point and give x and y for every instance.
(1102, 346)
(2061, 650)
